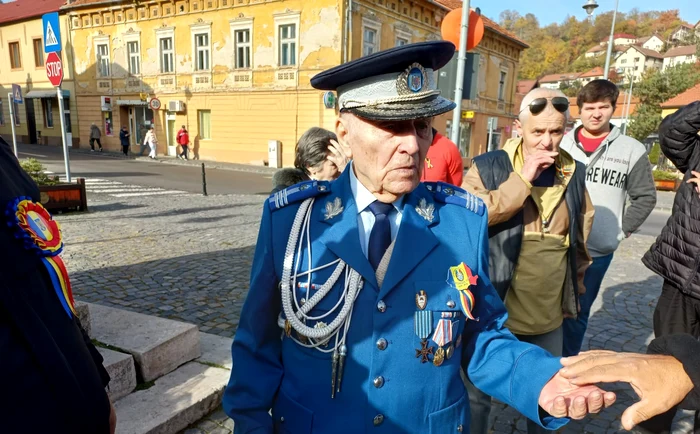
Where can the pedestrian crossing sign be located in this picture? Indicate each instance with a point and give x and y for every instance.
(17, 94)
(52, 32)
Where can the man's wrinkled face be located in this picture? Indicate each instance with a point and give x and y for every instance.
(542, 132)
(326, 171)
(387, 155)
(595, 116)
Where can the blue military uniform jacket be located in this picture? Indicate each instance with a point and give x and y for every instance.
(385, 387)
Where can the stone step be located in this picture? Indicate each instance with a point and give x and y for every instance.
(158, 345)
(181, 397)
(83, 312)
(122, 373)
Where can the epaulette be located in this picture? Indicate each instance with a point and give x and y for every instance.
(297, 193)
(447, 193)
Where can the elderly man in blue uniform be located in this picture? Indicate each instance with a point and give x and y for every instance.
(370, 294)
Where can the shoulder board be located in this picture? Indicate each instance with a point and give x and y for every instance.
(298, 193)
(447, 193)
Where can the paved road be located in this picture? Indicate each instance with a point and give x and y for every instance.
(151, 174)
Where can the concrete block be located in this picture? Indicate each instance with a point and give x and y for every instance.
(122, 373)
(83, 312)
(215, 350)
(158, 345)
(175, 401)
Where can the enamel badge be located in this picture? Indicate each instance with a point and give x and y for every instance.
(421, 300)
(463, 279)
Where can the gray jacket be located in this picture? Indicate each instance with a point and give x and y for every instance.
(617, 169)
(95, 132)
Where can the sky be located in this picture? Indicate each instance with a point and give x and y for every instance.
(550, 11)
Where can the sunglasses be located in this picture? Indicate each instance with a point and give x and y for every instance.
(560, 103)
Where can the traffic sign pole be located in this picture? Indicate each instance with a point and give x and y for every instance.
(11, 101)
(61, 112)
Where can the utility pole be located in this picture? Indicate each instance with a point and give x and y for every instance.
(461, 62)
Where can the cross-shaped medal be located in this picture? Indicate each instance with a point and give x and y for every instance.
(424, 351)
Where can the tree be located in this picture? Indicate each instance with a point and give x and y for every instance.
(570, 88)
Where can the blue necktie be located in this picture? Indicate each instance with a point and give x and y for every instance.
(380, 237)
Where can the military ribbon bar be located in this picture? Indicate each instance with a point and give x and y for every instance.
(443, 332)
(423, 323)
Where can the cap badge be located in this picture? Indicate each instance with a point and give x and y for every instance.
(412, 80)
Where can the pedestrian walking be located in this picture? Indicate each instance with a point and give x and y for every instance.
(52, 378)
(151, 141)
(538, 213)
(95, 135)
(443, 162)
(675, 255)
(183, 139)
(618, 168)
(366, 289)
(124, 139)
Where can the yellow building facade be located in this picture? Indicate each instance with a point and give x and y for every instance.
(37, 119)
(234, 72)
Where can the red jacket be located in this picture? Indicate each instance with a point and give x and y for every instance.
(443, 162)
(183, 138)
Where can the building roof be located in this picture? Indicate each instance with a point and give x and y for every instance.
(686, 50)
(619, 107)
(24, 9)
(553, 78)
(597, 48)
(488, 23)
(595, 72)
(619, 36)
(525, 86)
(685, 98)
(647, 52)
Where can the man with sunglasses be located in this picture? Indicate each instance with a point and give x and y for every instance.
(539, 217)
(617, 167)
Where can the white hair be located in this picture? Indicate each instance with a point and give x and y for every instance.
(540, 92)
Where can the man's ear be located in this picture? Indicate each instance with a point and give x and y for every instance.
(518, 127)
(341, 130)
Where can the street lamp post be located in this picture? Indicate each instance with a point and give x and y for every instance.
(590, 6)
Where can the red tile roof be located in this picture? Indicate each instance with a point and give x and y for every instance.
(525, 86)
(553, 78)
(488, 23)
(619, 36)
(687, 50)
(595, 72)
(597, 48)
(647, 52)
(24, 9)
(685, 98)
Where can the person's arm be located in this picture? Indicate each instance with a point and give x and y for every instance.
(678, 135)
(642, 193)
(455, 168)
(583, 258)
(502, 204)
(257, 347)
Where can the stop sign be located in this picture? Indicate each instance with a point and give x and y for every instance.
(54, 69)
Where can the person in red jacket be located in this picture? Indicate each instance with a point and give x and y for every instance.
(183, 139)
(443, 161)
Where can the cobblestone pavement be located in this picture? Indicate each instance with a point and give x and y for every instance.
(188, 258)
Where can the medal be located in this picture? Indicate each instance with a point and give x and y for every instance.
(421, 299)
(463, 279)
(422, 326)
(439, 357)
(424, 351)
(442, 337)
(450, 351)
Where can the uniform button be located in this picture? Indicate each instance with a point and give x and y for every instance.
(378, 419)
(381, 344)
(282, 419)
(381, 306)
(460, 428)
(378, 382)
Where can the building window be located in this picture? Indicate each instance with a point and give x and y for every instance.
(134, 57)
(242, 38)
(38, 52)
(369, 41)
(401, 41)
(201, 44)
(287, 45)
(2, 116)
(636, 59)
(204, 124)
(47, 109)
(623, 61)
(166, 55)
(15, 58)
(103, 61)
(502, 86)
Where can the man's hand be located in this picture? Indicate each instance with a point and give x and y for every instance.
(695, 180)
(536, 163)
(340, 155)
(659, 381)
(560, 398)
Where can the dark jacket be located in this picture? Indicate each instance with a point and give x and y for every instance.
(675, 255)
(124, 137)
(505, 239)
(686, 349)
(287, 177)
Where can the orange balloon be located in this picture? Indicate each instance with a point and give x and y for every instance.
(451, 26)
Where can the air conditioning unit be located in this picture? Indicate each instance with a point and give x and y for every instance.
(176, 106)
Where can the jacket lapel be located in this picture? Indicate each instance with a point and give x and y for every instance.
(415, 238)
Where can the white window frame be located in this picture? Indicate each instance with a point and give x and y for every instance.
(238, 25)
(199, 124)
(402, 35)
(376, 27)
(100, 57)
(47, 112)
(130, 39)
(502, 84)
(195, 31)
(166, 33)
(283, 20)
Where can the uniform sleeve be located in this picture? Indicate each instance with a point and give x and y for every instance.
(642, 193)
(496, 362)
(455, 168)
(257, 369)
(505, 202)
(583, 258)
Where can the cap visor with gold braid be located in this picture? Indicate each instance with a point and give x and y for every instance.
(394, 84)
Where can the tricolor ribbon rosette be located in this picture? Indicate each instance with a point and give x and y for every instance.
(40, 234)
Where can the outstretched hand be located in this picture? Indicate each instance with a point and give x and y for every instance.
(561, 398)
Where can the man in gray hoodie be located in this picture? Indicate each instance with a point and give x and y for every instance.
(617, 167)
